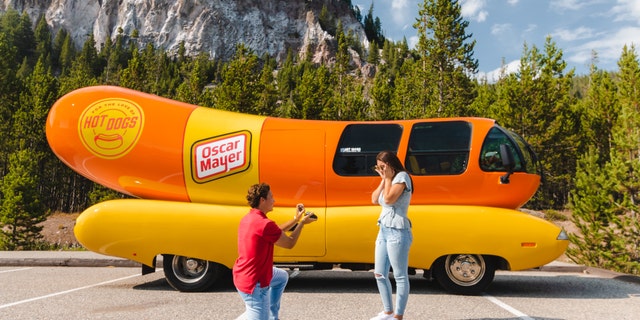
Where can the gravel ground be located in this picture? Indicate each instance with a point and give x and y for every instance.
(58, 229)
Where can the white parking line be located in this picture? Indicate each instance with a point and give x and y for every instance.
(64, 292)
(14, 270)
(509, 308)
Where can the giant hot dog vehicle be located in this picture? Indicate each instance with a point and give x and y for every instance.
(187, 169)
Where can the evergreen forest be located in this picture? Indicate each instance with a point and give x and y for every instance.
(584, 128)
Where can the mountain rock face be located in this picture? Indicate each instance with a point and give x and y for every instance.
(211, 26)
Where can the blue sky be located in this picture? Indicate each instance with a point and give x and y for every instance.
(502, 27)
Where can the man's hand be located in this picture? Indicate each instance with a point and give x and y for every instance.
(309, 217)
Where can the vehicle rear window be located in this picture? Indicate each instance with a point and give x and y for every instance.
(439, 148)
(360, 144)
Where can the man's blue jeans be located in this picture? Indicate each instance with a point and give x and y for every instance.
(392, 251)
(264, 303)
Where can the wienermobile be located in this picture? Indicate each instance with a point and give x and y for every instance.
(187, 169)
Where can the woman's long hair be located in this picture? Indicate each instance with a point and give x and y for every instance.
(390, 158)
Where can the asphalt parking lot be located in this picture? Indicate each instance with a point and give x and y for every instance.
(86, 285)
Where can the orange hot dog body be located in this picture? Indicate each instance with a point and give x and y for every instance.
(156, 148)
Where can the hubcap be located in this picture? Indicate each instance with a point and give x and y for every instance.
(465, 269)
(189, 270)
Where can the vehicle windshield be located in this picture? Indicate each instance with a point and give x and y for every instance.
(490, 158)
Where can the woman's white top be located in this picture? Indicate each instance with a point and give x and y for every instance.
(395, 215)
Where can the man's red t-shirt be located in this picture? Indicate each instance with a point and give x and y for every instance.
(256, 237)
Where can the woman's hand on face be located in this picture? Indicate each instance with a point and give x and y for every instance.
(382, 170)
(388, 171)
(385, 171)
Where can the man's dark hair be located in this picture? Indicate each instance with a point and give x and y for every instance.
(257, 191)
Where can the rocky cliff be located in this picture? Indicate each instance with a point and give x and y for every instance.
(212, 26)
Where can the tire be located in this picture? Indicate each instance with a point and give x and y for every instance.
(466, 274)
(190, 274)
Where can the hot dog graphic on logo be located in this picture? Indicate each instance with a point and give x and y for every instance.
(110, 128)
(108, 141)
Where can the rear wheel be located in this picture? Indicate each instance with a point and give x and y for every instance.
(467, 274)
(190, 274)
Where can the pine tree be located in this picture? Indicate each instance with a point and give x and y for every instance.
(21, 209)
(39, 94)
(535, 102)
(485, 102)
(599, 111)
(408, 102)
(267, 102)
(381, 94)
(89, 55)
(134, 76)
(240, 87)
(314, 94)
(326, 20)
(447, 61)
(57, 49)
(374, 54)
(341, 78)
(25, 40)
(373, 28)
(606, 193)
(592, 213)
(44, 45)
(9, 96)
(191, 89)
(67, 54)
(625, 162)
(17, 28)
(78, 75)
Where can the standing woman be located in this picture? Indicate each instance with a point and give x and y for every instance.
(395, 237)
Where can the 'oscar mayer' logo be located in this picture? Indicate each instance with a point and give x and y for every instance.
(110, 128)
(220, 156)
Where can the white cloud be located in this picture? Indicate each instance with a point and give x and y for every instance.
(474, 9)
(575, 5)
(608, 47)
(412, 42)
(401, 12)
(399, 4)
(571, 35)
(566, 4)
(531, 27)
(513, 2)
(627, 10)
(494, 75)
(500, 28)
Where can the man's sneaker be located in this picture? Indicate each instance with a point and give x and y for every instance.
(383, 316)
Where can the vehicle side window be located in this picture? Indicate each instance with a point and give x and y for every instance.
(439, 148)
(360, 144)
(490, 158)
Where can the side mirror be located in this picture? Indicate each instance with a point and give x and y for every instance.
(507, 162)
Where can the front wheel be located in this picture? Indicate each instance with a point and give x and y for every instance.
(467, 274)
(190, 274)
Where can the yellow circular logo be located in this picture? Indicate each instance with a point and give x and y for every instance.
(110, 128)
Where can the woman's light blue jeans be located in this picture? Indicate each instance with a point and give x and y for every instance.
(264, 303)
(392, 251)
